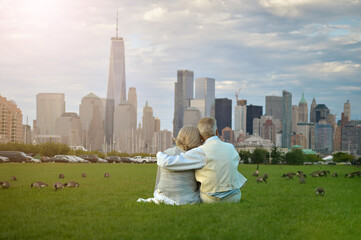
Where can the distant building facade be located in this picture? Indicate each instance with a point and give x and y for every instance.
(192, 116)
(49, 107)
(240, 118)
(92, 113)
(223, 113)
(183, 93)
(302, 110)
(347, 110)
(11, 119)
(312, 111)
(68, 127)
(321, 112)
(351, 139)
(294, 118)
(253, 112)
(286, 119)
(205, 90)
(274, 106)
(323, 137)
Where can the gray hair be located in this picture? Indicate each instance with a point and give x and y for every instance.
(207, 127)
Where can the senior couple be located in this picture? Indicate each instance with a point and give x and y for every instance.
(193, 172)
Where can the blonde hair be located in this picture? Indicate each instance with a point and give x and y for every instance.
(188, 138)
(207, 127)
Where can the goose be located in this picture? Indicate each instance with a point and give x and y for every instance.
(320, 191)
(39, 184)
(83, 174)
(5, 184)
(314, 174)
(61, 175)
(13, 178)
(288, 175)
(302, 180)
(256, 173)
(71, 184)
(350, 175)
(334, 174)
(58, 185)
(260, 179)
(265, 176)
(358, 173)
(106, 175)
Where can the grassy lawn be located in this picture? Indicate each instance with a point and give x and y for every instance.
(106, 208)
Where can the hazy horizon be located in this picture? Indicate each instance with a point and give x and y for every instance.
(263, 47)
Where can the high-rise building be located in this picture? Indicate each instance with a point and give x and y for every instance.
(312, 111)
(294, 118)
(148, 127)
(11, 119)
(27, 134)
(124, 129)
(252, 112)
(321, 112)
(305, 130)
(351, 139)
(68, 127)
(347, 110)
(92, 113)
(205, 90)
(240, 119)
(162, 140)
(192, 116)
(132, 99)
(274, 107)
(49, 107)
(223, 113)
(183, 93)
(116, 84)
(323, 137)
(302, 110)
(286, 119)
(266, 127)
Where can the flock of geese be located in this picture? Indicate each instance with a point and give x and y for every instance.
(302, 177)
(57, 185)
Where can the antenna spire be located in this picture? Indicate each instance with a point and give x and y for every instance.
(117, 25)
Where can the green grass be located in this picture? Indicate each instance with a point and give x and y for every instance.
(104, 208)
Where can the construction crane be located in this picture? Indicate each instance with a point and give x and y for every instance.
(237, 93)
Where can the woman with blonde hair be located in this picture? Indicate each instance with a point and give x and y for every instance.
(179, 187)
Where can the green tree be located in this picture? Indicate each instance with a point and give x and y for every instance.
(245, 156)
(342, 157)
(259, 156)
(51, 149)
(295, 157)
(276, 155)
(312, 158)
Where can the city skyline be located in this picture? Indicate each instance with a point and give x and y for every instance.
(262, 47)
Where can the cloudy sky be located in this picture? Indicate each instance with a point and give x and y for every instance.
(261, 46)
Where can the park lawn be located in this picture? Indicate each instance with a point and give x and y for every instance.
(106, 208)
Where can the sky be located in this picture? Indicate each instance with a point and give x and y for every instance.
(260, 46)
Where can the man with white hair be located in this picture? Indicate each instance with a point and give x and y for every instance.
(219, 178)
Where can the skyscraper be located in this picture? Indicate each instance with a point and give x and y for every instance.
(321, 112)
(49, 107)
(240, 119)
(205, 90)
(148, 127)
(312, 111)
(191, 116)
(132, 99)
(223, 113)
(274, 106)
(68, 127)
(11, 120)
(302, 110)
(91, 113)
(116, 84)
(124, 130)
(253, 111)
(294, 118)
(183, 93)
(286, 119)
(347, 110)
(323, 137)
